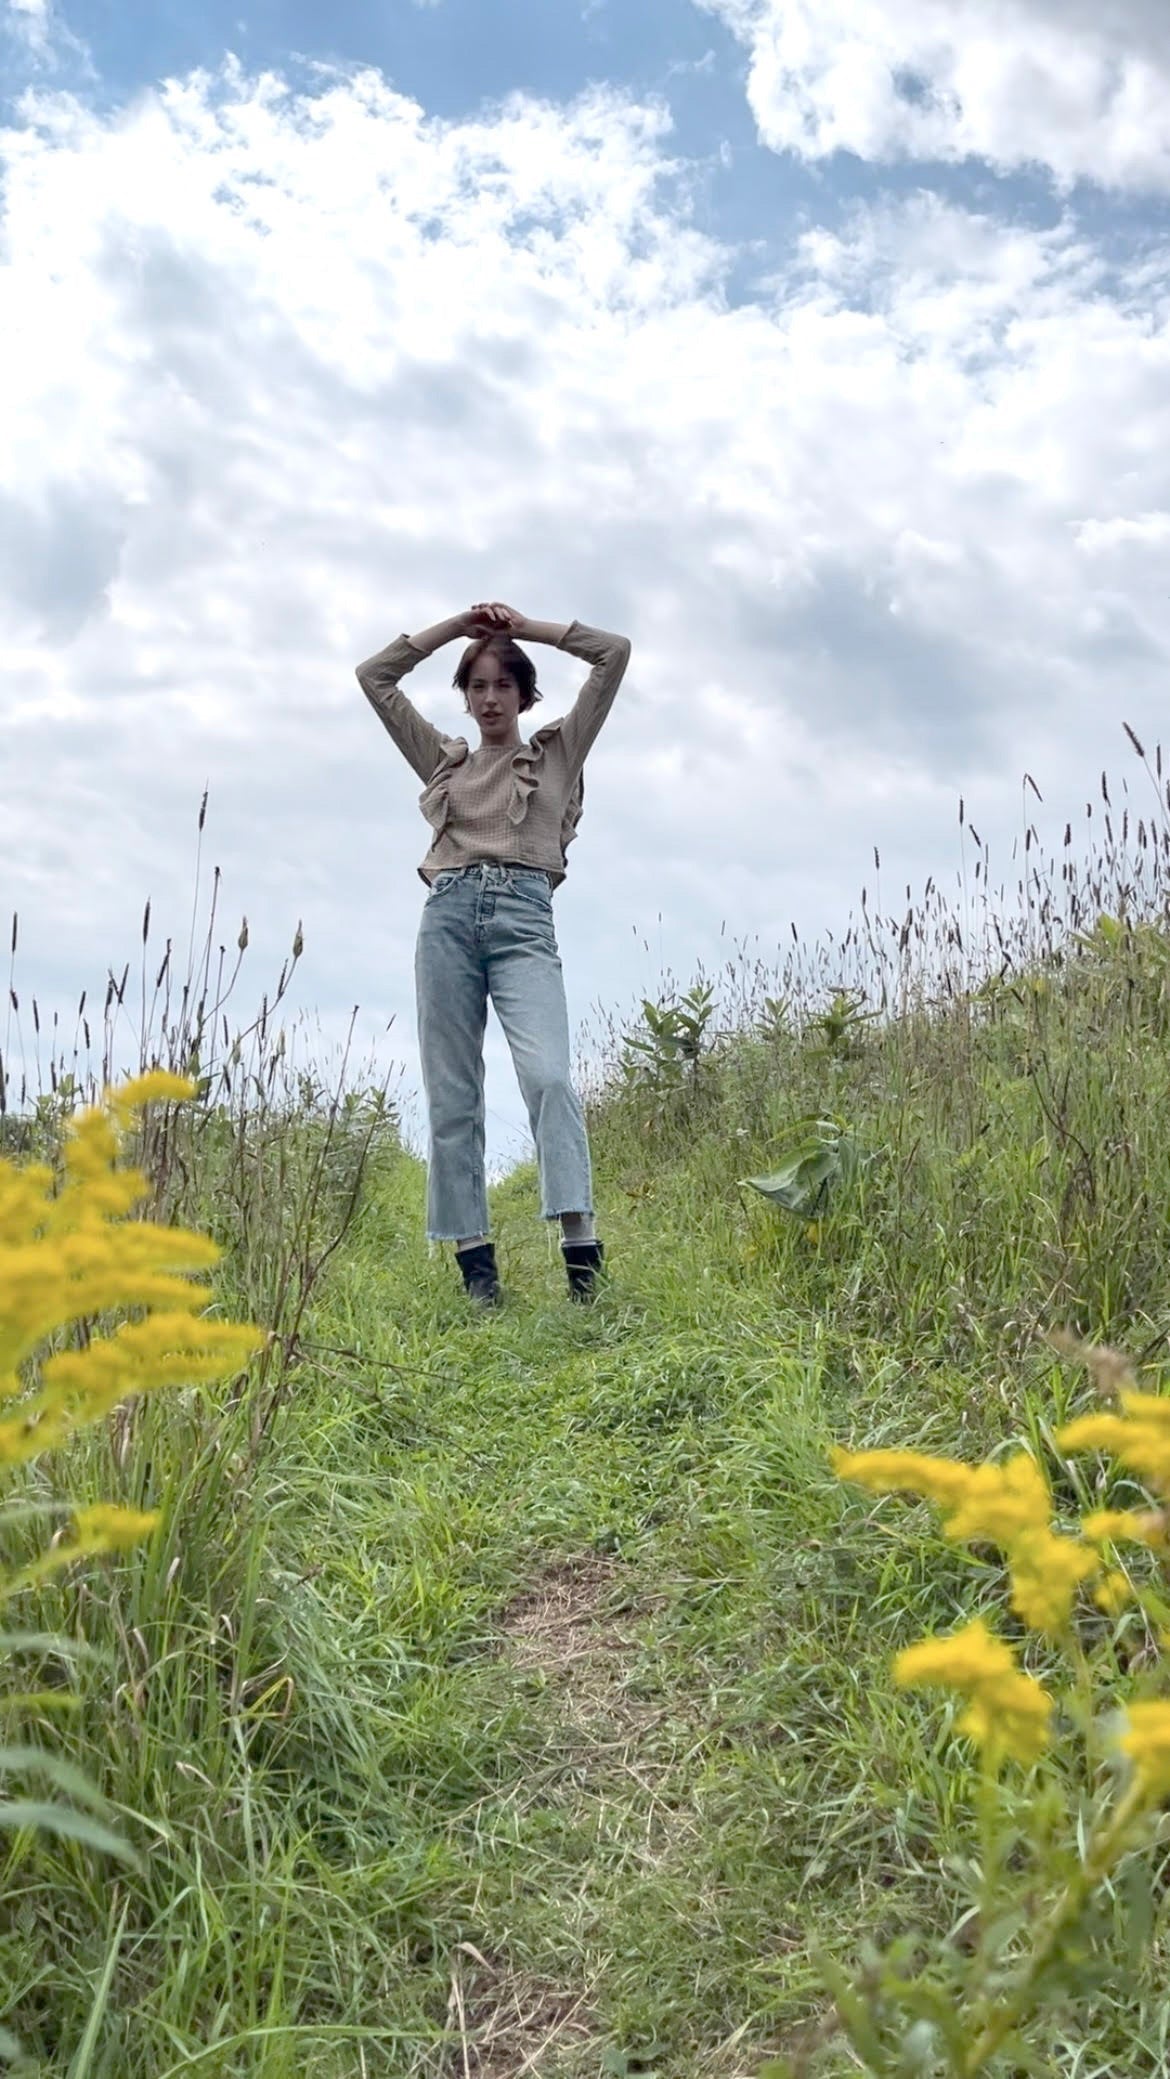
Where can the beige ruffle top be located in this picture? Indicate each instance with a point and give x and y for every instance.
(498, 803)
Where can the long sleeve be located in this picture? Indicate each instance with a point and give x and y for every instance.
(609, 656)
(418, 740)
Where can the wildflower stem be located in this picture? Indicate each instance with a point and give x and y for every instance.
(989, 1852)
(1082, 1698)
(1099, 1860)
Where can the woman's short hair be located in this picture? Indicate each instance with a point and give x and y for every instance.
(513, 659)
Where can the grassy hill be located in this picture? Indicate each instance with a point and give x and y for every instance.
(512, 1695)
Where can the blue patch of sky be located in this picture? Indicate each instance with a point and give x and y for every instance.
(457, 57)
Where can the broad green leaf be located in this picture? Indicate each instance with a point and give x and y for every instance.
(32, 1700)
(1137, 1893)
(63, 1820)
(824, 1158)
(798, 1184)
(1001, 1930)
(917, 2048)
(49, 1642)
(932, 2004)
(854, 2015)
(37, 1761)
(1026, 2059)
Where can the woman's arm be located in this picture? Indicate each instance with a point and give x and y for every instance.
(608, 655)
(418, 740)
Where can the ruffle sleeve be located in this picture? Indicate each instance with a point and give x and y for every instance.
(526, 767)
(435, 799)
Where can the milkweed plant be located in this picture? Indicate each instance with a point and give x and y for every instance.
(1069, 1784)
(70, 1255)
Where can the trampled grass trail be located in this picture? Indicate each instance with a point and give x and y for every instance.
(615, 1637)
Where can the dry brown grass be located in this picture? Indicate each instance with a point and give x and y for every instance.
(567, 1627)
(578, 1629)
(509, 2024)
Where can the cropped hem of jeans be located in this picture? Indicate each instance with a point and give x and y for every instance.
(588, 1212)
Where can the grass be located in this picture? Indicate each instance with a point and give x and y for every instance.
(514, 1697)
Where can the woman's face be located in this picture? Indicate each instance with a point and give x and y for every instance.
(493, 698)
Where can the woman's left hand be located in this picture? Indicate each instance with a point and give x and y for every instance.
(510, 617)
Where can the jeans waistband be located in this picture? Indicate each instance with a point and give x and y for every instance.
(485, 866)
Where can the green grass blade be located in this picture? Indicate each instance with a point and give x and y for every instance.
(83, 2056)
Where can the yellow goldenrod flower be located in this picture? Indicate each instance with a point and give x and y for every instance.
(70, 1252)
(1147, 1407)
(963, 1659)
(1046, 1572)
(1147, 1743)
(1141, 1444)
(1007, 1711)
(148, 1088)
(104, 1528)
(1092, 1433)
(1007, 1505)
(1002, 1502)
(995, 1502)
(80, 1386)
(1125, 1526)
(903, 1472)
(1113, 1593)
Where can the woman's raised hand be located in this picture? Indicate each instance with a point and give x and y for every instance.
(492, 617)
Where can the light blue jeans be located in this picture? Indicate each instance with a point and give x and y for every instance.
(487, 930)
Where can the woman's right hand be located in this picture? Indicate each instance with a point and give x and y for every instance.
(485, 619)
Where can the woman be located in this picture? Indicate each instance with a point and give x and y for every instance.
(502, 816)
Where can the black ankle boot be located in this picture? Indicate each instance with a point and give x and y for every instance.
(480, 1277)
(583, 1261)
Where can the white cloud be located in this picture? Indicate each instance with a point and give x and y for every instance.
(1068, 85)
(681, 68)
(291, 372)
(1144, 530)
(42, 38)
(28, 20)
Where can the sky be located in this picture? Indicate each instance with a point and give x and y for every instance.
(822, 347)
